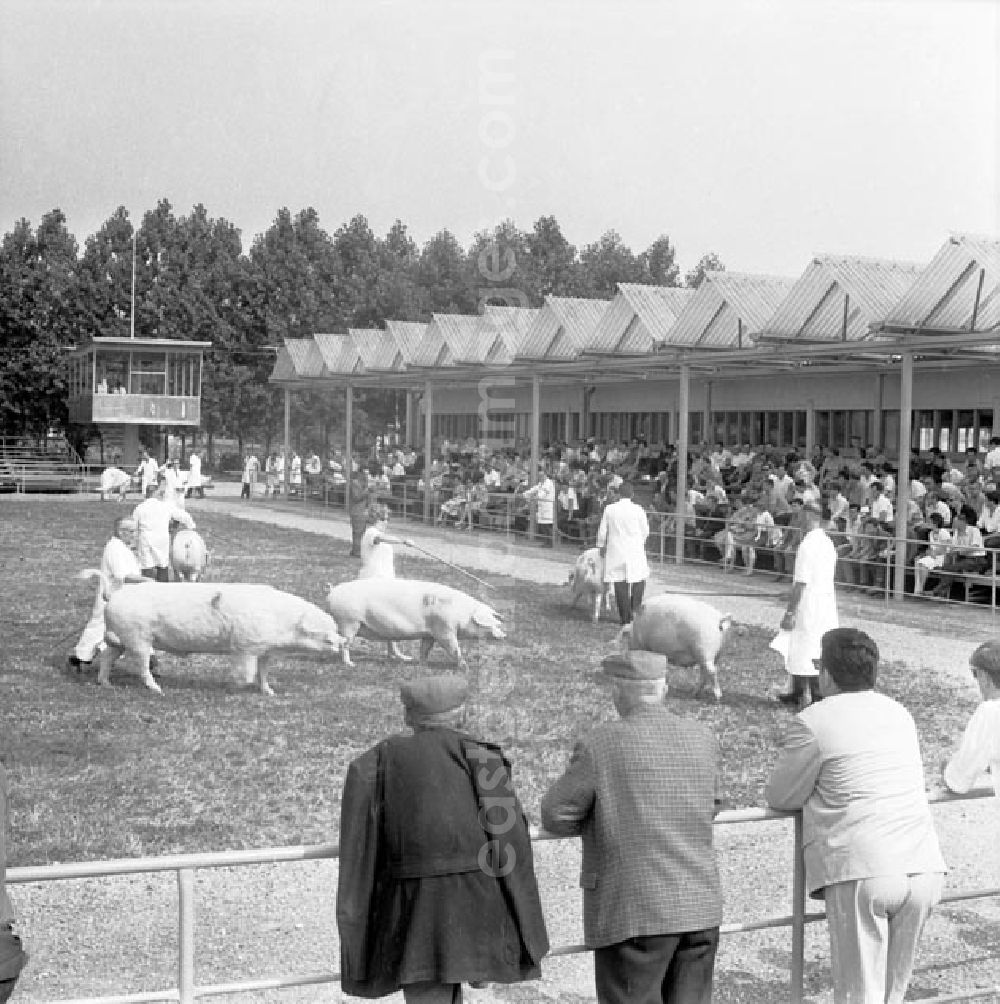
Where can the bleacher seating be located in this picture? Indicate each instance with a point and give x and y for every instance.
(50, 466)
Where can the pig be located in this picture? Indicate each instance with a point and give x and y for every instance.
(687, 631)
(248, 620)
(188, 555)
(587, 580)
(400, 609)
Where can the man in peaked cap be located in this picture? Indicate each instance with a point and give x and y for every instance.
(437, 885)
(641, 792)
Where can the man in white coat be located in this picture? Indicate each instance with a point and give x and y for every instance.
(148, 471)
(194, 476)
(621, 538)
(811, 611)
(119, 565)
(152, 519)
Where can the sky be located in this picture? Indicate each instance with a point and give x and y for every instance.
(766, 132)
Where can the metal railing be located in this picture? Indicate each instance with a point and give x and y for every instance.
(184, 866)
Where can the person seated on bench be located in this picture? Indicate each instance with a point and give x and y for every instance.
(937, 548)
(966, 554)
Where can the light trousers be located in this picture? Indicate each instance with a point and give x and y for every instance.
(875, 925)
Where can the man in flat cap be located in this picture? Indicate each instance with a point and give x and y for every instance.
(437, 885)
(811, 610)
(641, 791)
(119, 566)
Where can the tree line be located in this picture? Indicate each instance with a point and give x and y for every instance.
(193, 280)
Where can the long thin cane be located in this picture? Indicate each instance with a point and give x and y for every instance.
(450, 564)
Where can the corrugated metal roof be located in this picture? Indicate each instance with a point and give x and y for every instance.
(339, 353)
(284, 368)
(430, 345)
(944, 295)
(639, 317)
(713, 316)
(501, 332)
(368, 343)
(459, 332)
(813, 310)
(305, 356)
(407, 335)
(562, 327)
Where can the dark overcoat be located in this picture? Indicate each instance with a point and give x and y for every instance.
(437, 879)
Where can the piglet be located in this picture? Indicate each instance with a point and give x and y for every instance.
(687, 631)
(188, 555)
(586, 579)
(401, 609)
(250, 621)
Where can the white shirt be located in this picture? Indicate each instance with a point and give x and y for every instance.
(376, 556)
(194, 471)
(118, 562)
(623, 531)
(153, 518)
(149, 471)
(882, 509)
(544, 494)
(978, 750)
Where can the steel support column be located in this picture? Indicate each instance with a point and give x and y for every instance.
(286, 469)
(428, 416)
(903, 474)
(682, 461)
(349, 445)
(536, 407)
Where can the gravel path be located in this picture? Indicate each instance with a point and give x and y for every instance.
(279, 919)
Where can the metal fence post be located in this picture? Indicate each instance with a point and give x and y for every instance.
(185, 936)
(797, 965)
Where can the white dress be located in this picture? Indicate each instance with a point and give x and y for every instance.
(815, 565)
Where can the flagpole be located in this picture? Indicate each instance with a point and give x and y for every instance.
(132, 324)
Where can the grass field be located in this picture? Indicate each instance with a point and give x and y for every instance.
(120, 771)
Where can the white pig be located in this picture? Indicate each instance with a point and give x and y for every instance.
(250, 621)
(687, 631)
(587, 581)
(188, 555)
(401, 609)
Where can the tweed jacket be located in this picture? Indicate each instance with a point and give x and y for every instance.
(852, 764)
(641, 793)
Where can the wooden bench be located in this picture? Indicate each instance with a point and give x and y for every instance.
(970, 580)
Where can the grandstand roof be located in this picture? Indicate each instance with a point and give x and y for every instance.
(340, 354)
(407, 335)
(502, 331)
(459, 333)
(561, 328)
(944, 296)
(638, 318)
(840, 298)
(727, 307)
(305, 358)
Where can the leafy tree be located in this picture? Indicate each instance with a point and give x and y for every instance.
(40, 316)
(443, 273)
(606, 263)
(500, 268)
(660, 264)
(553, 259)
(709, 262)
